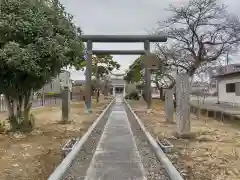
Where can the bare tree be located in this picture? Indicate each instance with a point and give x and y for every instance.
(200, 33)
(162, 78)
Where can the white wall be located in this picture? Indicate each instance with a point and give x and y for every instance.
(65, 80)
(55, 86)
(52, 87)
(117, 82)
(228, 97)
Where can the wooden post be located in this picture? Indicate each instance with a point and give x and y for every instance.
(65, 104)
(183, 106)
(169, 107)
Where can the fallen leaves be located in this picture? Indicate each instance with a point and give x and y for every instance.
(35, 155)
(212, 155)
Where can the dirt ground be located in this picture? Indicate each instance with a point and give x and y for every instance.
(213, 155)
(34, 156)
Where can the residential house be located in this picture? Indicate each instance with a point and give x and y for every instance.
(77, 86)
(212, 72)
(229, 87)
(65, 79)
(56, 85)
(78, 83)
(77, 89)
(200, 88)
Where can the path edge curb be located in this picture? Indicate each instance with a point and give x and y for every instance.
(167, 164)
(60, 170)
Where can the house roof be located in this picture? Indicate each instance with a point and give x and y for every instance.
(236, 73)
(220, 66)
(79, 82)
(200, 84)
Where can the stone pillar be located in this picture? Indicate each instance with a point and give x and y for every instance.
(183, 106)
(89, 75)
(169, 107)
(124, 90)
(147, 77)
(113, 91)
(65, 104)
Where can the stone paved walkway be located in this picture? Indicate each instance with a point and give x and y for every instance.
(116, 156)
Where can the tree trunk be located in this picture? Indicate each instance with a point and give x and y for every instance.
(183, 107)
(194, 67)
(144, 95)
(160, 91)
(19, 117)
(97, 90)
(98, 94)
(169, 107)
(42, 99)
(28, 121)
(10, 107)
(19, 107)
(161, 94)
(105, 90)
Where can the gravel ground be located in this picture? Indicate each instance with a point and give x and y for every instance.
(153, 167)
(80, 165)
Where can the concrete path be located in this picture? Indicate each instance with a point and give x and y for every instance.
(116, 156)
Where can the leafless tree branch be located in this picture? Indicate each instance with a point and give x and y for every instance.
(200, 33)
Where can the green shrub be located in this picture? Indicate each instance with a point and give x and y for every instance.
(127, 96)
(4, 126)
(133, 95)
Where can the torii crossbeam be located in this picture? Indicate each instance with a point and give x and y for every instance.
(146, 39)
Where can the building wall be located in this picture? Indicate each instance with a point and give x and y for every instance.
(55, 86)
(77, 89)
(226, 96)
(52, 87)
(116, 82)
(65, 80)
(224, 69)
(79, 83)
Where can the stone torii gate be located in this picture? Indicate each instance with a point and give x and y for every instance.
(146, 39)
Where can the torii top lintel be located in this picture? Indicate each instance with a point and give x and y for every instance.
(123, 38)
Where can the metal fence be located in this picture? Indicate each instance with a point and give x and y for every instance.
(35, 103)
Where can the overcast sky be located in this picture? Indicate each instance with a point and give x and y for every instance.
(122, 17)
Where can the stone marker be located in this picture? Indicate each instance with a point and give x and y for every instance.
(65, 104)
(169, 107)
(183, 106)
